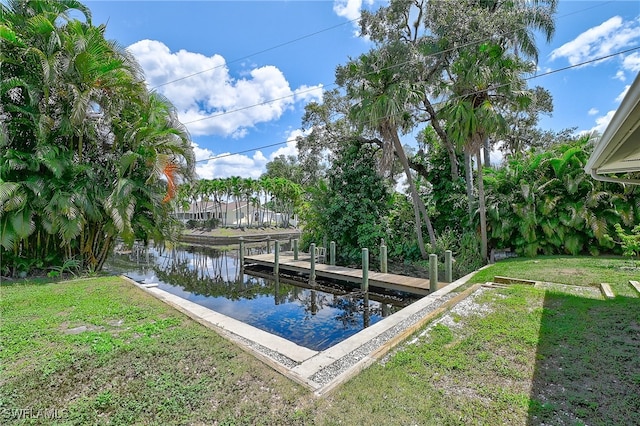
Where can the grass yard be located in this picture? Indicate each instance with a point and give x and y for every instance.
(99, 351)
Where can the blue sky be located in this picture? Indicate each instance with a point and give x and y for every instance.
(260, 62)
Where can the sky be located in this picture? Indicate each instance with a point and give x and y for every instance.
(240, 72)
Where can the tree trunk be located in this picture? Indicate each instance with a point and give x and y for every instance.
(417, 201)
(487, 152)
(483, 211)
(468, 173)
(453, 158)
(386, 161)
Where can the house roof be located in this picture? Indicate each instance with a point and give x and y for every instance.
(618, 150)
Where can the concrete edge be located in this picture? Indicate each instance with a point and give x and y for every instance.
(382, 350)
(208, 318)
(314, 364)
(229, 326)
(607, 291)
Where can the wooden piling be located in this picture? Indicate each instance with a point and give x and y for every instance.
(268, 245)
(448, 266)
(332, 253)
(276, 258)
(433, 272)
(295, 249)
(312, 251)
(383, 257)
(365, 270)
(241, 252)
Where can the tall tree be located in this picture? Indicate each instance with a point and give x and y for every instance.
(87, 154)
(453, 49)
(382, 101)
(351, 206)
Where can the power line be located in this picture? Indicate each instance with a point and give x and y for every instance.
(217, 157)
(277, 46)
(590, 61)
(408, 62)
(314, 34)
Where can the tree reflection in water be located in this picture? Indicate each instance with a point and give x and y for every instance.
(216, 279)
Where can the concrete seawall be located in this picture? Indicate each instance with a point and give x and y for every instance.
(214, 238)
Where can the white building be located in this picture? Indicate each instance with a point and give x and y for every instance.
(618, 150)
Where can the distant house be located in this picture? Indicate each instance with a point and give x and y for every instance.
(228, 214)
(618, 150)
(202, 210)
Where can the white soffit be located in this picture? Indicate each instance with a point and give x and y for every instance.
(618, 150)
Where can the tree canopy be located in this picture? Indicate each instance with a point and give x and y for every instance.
(87, 153)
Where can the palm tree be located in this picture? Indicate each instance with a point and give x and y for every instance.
(484, 76)
(228, 192)
(384, 100)
(103, 155)
(248, 188)
(236, 191)
(267, 189)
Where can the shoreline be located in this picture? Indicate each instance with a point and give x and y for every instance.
(224, 236)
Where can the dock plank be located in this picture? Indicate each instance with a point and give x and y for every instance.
(376, 279)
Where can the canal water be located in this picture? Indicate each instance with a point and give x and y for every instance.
(314, 315)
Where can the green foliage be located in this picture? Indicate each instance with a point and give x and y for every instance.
(401, 239)
(630, 242)
(352, 207)
(286, 167)
(448, 204)
(211, 199)
(69, 266)
(543, 202)
(83, 144)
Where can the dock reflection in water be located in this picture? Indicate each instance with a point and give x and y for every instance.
(314, 315)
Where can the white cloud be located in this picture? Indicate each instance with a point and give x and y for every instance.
(610, 36)
(620, 75)
(201, 153)
(602, 122)
(623, 93)
(290, 148)
(232, 165)
(349, 9)
(213, 102)
(308, 94)
(593, 111)
(227, 164)
(632, 62)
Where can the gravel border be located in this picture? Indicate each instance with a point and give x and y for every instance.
(330, 372)
(275, 356)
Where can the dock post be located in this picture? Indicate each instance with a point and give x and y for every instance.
(383, 257)
(433, 272)
(241, 251)
(365, 270)
(332, 253)
(268, 245)
(295, 249)
(448, 266)
(276, 258)
(312, 250)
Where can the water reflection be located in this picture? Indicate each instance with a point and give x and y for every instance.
(313, 314)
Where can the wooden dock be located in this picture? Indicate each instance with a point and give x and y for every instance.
(286, 262)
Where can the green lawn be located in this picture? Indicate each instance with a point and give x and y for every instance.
(100, 351)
